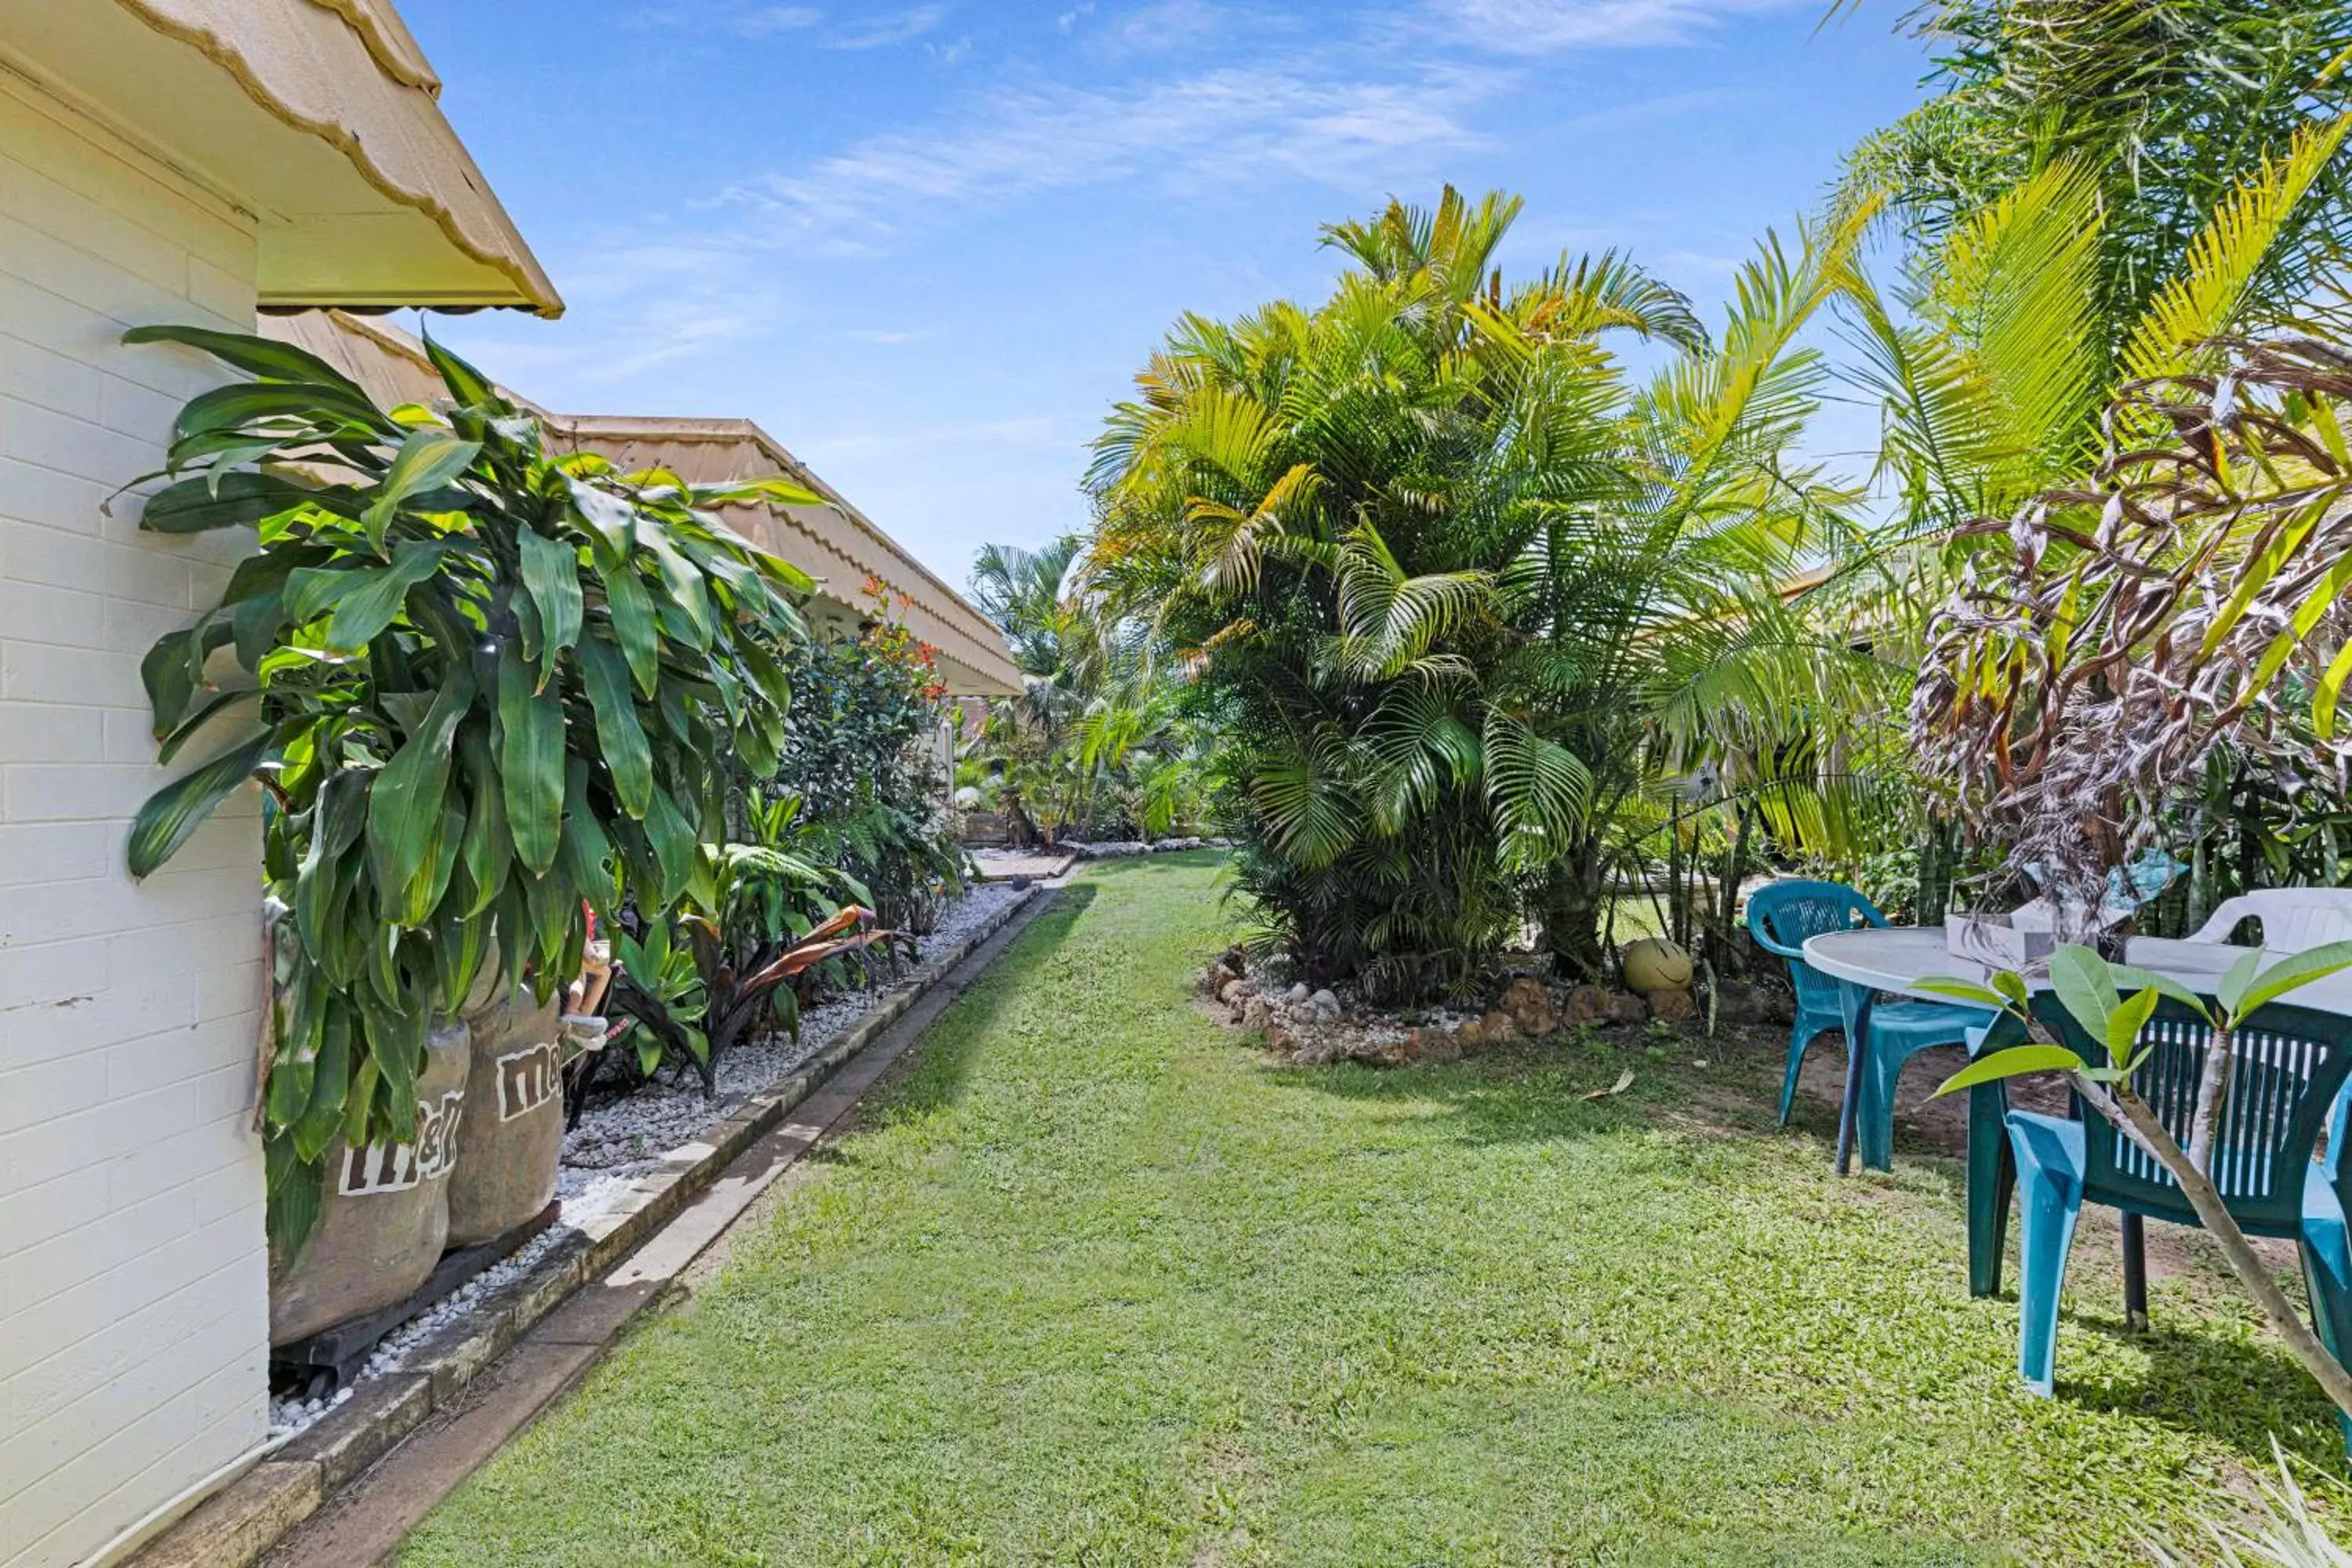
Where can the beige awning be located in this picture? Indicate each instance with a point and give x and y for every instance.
(834, 543)
(319, 117)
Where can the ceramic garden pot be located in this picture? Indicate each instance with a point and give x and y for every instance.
(512, 1136)
(385, 1216)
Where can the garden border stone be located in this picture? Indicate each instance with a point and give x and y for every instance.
(238, 1525)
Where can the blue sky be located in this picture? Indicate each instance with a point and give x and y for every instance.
(927, 246)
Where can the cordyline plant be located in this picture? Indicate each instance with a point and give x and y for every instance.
(484, 687)
(2091, 989)
(695, 986)
(760, 916)
(2109, 639)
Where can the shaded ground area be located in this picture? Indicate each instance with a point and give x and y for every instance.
(1097, 1284)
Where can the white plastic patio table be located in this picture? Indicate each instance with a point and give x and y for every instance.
(1896, 959)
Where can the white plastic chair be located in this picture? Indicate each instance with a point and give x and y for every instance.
(2294, 919)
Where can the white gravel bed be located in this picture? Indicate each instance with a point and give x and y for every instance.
(619, 1140)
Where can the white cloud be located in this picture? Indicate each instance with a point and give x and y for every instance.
(1222, 126)
(1543, 27)
(772, 19)
(893, 28)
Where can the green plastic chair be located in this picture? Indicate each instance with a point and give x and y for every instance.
(2292, 1066)
(1782, 917)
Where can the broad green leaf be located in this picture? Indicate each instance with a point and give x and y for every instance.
(2293, 973)
(173, 669)
(254, 355)
(551, 573)
(175, 812)
(363, 612)
(427, 459)
(2125, 1023)
(404, 809)
(2079, 975)
(613, 520)
(1964, 991)
(2010, 1064)
(633, 615)
(531, 761)
(469, 387)
(2134, 978)
(193, 724)
(236, 499)
(487, 851)
(297, 406)
(683, 582)
(585, 844)
(674, 844)
(2231, 991)
(619, 735)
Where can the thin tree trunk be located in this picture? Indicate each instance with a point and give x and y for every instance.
(2132, 1116)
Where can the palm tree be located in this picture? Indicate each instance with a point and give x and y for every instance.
(2166, 107)
(1467, 593)
(1993, 361)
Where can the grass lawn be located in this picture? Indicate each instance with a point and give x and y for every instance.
(1096, 1285)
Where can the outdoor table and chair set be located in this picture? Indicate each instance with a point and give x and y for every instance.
(1854, 972)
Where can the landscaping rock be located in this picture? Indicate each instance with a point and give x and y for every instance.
(1737, 1002)
(1257, 1014)
(1298, 993)
(1325, 1006)
(1501, 1029)
(1530, 1009)
(1441, 1045)
(1672, 1006)
(1625, 1009)
(1587, 1006)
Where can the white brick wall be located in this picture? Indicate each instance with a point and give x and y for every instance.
(134, 1316)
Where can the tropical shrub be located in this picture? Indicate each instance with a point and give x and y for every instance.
(1472, 605)
(1098, 744)
(484, 689)
(860, 768)
(2195, 598)
(697, 982)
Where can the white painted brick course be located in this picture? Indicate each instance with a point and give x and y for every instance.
(134, 1296)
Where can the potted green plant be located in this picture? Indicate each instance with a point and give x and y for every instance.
(485, 688)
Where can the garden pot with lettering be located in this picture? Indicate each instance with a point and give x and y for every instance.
(386, 1216)
(512, 1136)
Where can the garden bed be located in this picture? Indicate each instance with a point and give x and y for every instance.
(619, 1142)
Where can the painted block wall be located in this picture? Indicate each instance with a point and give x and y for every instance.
(134, 1291)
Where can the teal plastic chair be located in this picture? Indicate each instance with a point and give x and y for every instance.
(1782, 917)
(2326, 1246)
(2292, 1066)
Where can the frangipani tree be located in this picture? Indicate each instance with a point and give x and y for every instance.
(485, 689)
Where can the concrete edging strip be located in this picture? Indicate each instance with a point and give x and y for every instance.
(486, 1376)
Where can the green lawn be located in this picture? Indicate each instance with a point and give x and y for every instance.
(1099, 1286)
